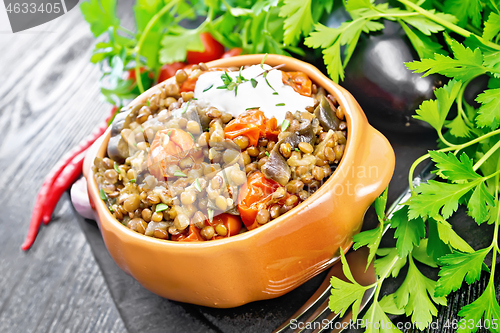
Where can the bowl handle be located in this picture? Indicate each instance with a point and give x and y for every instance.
(375, 165)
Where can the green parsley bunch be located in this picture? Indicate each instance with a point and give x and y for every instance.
(467, 163)
(258, 26)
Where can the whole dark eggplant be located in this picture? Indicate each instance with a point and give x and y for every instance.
(377, 77)
(388, 92)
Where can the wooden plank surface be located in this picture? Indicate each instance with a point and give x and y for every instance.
(49, 101)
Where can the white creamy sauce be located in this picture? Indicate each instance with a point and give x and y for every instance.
(261, 96)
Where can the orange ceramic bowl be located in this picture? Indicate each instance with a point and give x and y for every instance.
(279, 256)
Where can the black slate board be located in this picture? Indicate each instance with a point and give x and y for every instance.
(143, 311)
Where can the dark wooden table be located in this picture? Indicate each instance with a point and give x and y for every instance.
(49, 101)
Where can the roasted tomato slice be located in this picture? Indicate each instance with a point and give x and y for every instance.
(252, 124)
(299, 81)
(254, 196)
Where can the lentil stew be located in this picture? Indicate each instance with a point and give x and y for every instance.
(180, 168)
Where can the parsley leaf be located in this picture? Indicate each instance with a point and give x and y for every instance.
(489, 112)
(436, 247)
(380, 204)
(408, 232)
(177, 42)
(458, 127)
(100, 14)
(383, 265)
(331, 40)
(436, 197)
(375, 320)
(422, 23)
(298, 19)
(486, 305)
(465, 65)
(435, 111)
(465, 9)
(388, 304)
(370, 238)
(425, 46)
(344, 294)
(413, 296)
(456, 268)
(420, 254)
(491, 26)
(449, 167)
(450, 237)
(478, 202)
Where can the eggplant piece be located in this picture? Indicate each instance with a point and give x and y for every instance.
(305, 133)
(326, 115)
(118, 149)
(276, 167)
(377, 77)
(124, 118)
(119, 122)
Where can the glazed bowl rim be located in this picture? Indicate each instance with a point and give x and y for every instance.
(354, 127)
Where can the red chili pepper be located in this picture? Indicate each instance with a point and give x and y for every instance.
(67, 177)
(65, 162)
(41, 210)
(49, 196)
(36, 217)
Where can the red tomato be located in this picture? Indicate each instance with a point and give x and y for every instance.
(231, 222)
(169, 70)
(192, 234)
(189, 85)
(233, 52)
(252, 124)
(213, 50)
(254, 196)
(131, 73)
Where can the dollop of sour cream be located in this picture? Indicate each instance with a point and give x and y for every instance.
(273, 97)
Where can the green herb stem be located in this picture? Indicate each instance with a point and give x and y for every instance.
(460, 102)
(413, 166)
(494, 242)
(495, 6)
(453, 27)
(497, 221)
(469, 26)
(446, 142)
(457, 148)
(492, 175)
(486, 156)
(379, 283)
(148, 28)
